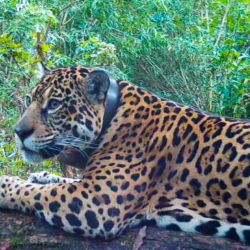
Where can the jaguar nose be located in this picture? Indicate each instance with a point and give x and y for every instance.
(23, 132)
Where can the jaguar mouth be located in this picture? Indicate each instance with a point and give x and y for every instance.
(40, 155)
(31, 156)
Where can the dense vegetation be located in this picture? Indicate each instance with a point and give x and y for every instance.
(195, 51)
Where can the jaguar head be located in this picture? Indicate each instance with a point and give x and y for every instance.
(65, 109)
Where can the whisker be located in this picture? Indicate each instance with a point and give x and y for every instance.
(82, 152)
(55, 148)
(79, 142)
(72, 138)
(58, 150)
(73, 142)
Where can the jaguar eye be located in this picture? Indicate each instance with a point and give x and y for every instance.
(27, 101)
(53, 104)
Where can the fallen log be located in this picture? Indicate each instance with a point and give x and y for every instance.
(19, 231)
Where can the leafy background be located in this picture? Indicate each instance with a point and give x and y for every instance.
(195, 52)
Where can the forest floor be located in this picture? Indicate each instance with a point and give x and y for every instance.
(19, 231)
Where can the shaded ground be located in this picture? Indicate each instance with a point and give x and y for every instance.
(18, 231)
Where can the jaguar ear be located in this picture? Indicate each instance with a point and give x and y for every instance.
(98, 82)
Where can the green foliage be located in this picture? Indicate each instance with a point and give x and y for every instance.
(93, 50)
(195, 52)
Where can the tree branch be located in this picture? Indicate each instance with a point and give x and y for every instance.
(222, 25)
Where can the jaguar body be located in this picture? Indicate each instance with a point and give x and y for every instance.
(149, 159)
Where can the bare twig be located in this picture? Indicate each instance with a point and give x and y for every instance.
(139, 239)
(207, 17)
(244, 55)
(20, 69)
(69, 5)
(150, 61)
(222, 25)
(47, 31)
(39, 43)
(184, 77)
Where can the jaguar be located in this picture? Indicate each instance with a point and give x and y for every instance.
(145, 159)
